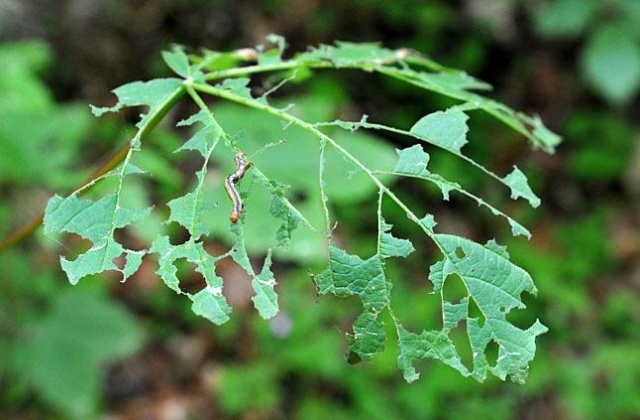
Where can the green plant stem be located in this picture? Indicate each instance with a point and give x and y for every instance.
(117, 158)
(249, 70)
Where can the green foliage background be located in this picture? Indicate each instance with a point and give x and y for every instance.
(103, 347)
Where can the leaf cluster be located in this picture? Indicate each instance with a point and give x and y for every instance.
(493, 283)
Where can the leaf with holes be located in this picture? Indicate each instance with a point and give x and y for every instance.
(303, 165)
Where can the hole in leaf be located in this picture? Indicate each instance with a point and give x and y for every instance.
(524, 319)
(177, 234)
(74, 243)
(414, 303)
(475, 312)
(353, 358)
(191, 281)
(122, 236)
(454, 289)
(460, 340)
(120, 261)
(491, 352)
(460, 252)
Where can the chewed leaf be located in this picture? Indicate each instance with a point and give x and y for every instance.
(239, 86)
(152, 93)
(447, 129)
(368, 336)
(191, 209)
(412, 161)
(95, 221)
(209, 302)
(429, 222)
(281, 208)
(349, 275)
(190, 212)
(518, 230)
(204, 139)
(265, 299)
(548, 138)
(168, 255)
(272, 56)
(517, 181)
(390, 246)
(495, 285)
(349, 165)
(428, 344)
(290, 218)
(96, 260)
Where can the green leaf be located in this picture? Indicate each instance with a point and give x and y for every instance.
(517, 181)
(446, 129)
(390, 246)
(412, 161)
(547, 137)
(369, 337)
(177, 61)
(191, 209)
(153, 94)
(95, 221)
(321, 165)
(282, 209)
(238, 85)
(203, 140)
(565, 17)
(611, 63)
(65, 352)
(428, 344)
(265, 299)
(209, 302)
(345, 54)
(349, 275)
(495, 285)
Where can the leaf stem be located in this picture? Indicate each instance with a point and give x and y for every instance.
(323, 193)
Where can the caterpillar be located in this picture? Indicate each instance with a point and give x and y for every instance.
(229, 185)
